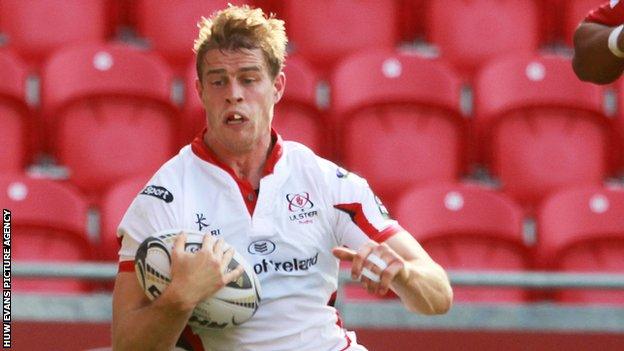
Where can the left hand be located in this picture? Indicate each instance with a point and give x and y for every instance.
(379, 259)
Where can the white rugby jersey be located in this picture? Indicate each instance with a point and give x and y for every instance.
(306, 206)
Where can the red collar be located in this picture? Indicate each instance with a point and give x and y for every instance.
(201, 150)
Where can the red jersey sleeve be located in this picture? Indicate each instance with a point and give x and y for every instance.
(610, 13)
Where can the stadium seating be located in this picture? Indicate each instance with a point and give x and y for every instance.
(411, 19)
(297, 116)
(540, 127)
(324, 31)
(574, 12)
(15, 117)
(194, 116)
(469, 33)
(112, 208)
(467, 227)
(618, 86)
(35, 28)
(109, 112)
(582, 230)
(398, 120)
(170, 27)
(49, 222)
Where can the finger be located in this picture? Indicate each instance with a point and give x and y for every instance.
(358, 261)
(178, 244)
(234, 274)
(208, 243)
(369, 285)
(227, 257)
(372, 276)
(377, 261)
(387, 276)
(344, 254)
(217, 250)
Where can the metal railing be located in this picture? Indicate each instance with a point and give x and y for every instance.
(539, 316)
(531, 280)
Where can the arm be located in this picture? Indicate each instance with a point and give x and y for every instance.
(593, 61)
(422, 284)
(139, 324)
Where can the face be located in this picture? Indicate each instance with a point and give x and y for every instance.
(238, 95)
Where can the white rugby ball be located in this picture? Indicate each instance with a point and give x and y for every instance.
(231, 306)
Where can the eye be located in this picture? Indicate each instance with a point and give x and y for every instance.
(217, 83)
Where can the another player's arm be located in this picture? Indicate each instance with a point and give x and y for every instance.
(421, 283)
(593, 61)
(139, 324)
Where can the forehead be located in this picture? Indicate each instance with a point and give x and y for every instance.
(233, 60)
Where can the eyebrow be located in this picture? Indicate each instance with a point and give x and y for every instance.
(244, 69)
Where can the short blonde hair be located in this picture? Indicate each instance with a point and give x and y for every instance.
(241, 27)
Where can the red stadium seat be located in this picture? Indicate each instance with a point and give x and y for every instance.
(574, 12)
(49, 222)
(618, 86)
(467, 227)
(110, 112)
(113, 206)
(399, 120)
(323, 31)
(540, 127)
(15, 116)
(470, 32)
(296, 115)
(582, 230)
(411, 19)
(171, 26)
(34, 28)
(194, 114)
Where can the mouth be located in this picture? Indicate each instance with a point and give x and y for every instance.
(235, 117)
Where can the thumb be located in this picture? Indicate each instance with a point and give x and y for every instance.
(343, 253)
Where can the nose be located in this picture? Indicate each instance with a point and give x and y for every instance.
(235, 93)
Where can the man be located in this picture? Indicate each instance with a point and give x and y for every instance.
(599, 44)
(240, 182)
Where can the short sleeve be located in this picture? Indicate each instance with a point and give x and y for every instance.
(152, 210)
(611, 13)
(361, 216)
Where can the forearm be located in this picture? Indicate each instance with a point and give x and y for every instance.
(424, 288)
(155, 326)
(593, 61)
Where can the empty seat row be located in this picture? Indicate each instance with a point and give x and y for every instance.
(462, 226)
(395, 119)
(467, 227)
(458, 28)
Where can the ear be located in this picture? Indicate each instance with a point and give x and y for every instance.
(278, 85)
(198, 88)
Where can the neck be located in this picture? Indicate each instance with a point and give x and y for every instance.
(247, 165)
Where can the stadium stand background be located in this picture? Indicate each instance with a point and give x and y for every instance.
(464, 115)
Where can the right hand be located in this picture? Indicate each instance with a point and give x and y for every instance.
(199, 275)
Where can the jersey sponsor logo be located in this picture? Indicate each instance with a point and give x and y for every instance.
(261, 247)
(158, 192)
(301, 207)
(293, 265)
